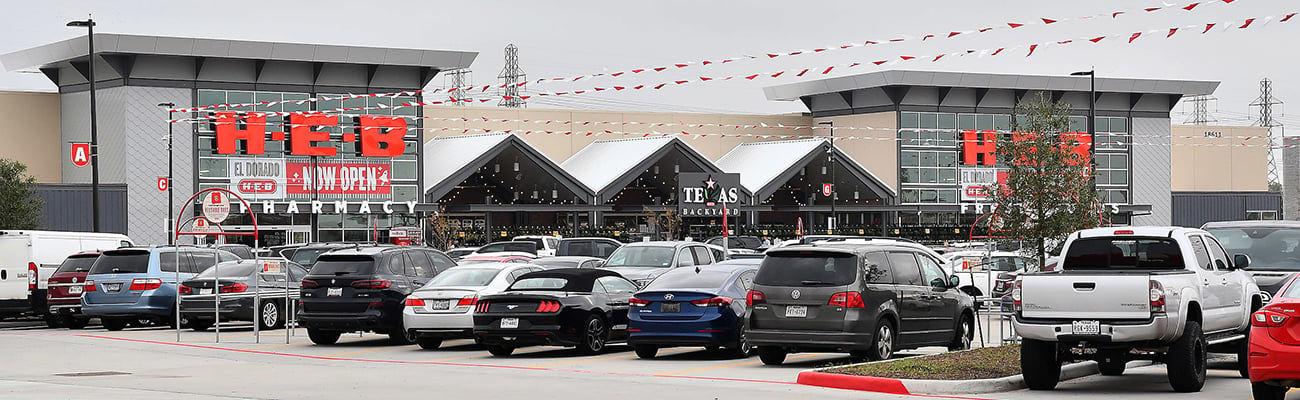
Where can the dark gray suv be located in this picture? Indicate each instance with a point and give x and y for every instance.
(868, 298)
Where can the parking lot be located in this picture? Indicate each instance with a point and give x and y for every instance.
(144, 363)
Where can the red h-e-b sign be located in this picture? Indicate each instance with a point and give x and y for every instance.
(379, 136)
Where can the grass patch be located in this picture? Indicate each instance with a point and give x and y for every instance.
(981, 363)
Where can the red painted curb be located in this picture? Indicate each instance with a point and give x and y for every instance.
(852, 382)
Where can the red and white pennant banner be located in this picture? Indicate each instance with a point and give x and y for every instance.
(769, 55)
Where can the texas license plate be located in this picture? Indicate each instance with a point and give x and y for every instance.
(670, 307)
(1086, 327)
(205, 291)
(440, 305)
(796, 311)
(509, 323)
(74, 289)
(112, 287)
(334, 291)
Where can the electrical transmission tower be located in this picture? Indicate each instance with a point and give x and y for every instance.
(456, 81)
(1265, 102)
(1200, 110)
(510, 79)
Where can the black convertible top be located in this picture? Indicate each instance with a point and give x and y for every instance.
(579, 279)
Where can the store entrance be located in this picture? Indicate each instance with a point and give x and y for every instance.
(272, 235)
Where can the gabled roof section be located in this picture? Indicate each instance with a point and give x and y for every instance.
(766, 166)
(606, 166)
(450, 160)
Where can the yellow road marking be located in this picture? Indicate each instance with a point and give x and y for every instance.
(674, 351)
(369, 351)
(730, 365)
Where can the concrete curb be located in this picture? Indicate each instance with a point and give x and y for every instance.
(943, 387)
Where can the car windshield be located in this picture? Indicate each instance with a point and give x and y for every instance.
(344, 265)
(132, 262)
(77, 264)
(540, 284)
(1123, 253)
(307, 256)
(229, 270)
(807, 268)
(464, 277)
(468, 261)
(641, 256)
(1292, 291)
(687, 278)
(1000, 264)
(557, 263)
(1268, 248)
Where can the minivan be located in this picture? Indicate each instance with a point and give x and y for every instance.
(131, 284)
(363, 289)
(869, 298)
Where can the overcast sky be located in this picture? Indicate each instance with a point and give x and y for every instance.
(575, 37)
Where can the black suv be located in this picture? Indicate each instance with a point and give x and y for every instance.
(363, 289)
(865, 297)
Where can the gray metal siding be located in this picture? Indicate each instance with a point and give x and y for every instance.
(66, 207)
(1193, 209)
(148, 158)
(1151, 163)
(1291, 183)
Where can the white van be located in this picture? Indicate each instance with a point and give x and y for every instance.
(29, 258)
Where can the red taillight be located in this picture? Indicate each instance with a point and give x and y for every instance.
(482, 306)
(1124, 232)
(466, 301)
(414, 301)
(31, 275)
(1157, 297)
(235, 288)
(309, 284)
(712, 330)
(713, 302)
(755, 297)
(1268, 319)
(548, 306)
(185, 290)
(372, 284)
(146, 284)
(89, 286)
(847, 300)
(1015, 294)
(635, 302)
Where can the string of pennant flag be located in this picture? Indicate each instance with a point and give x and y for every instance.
(1027, 49)
(764, 56)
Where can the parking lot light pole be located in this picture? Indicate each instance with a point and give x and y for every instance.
(830, 154)
(1092, 120)
(171, 156)
(89, 24)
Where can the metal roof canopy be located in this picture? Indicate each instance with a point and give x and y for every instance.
(156, 60)
(608, 166)
(795, 91)
(765, 167)
(450, 160)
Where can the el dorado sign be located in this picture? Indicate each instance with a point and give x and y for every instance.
(703, 194)
(378, 136)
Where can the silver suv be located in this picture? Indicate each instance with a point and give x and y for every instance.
(868, 298)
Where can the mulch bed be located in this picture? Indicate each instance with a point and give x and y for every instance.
(981, 363)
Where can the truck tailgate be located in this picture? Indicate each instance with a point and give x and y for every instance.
(1085, 296)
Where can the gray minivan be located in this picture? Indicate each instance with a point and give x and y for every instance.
(868, 298)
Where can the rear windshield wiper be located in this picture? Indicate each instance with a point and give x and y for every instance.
(341, 273)
(812, 283)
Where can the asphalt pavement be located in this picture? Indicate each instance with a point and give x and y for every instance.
(149, 363)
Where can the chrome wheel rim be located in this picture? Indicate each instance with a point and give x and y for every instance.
(885, 341)
(966, 334)
(595, 331)
(270, 314)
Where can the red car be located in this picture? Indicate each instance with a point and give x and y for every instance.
(64, 296)
(1275, 345)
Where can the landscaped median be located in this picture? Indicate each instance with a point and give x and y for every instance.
(983, 370)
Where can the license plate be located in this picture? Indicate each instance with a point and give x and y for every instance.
(796, 311)
(75, 289)
(334, 291)
(205, 291)
(670, 307)
(509, 323)
(112, 287)
(440, 305)
(1086, 327)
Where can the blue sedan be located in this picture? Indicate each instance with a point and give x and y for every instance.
(703, 306)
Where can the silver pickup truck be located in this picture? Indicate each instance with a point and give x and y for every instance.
(1164, 294)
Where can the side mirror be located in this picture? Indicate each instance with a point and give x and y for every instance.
(1240, 261)
(953, 281)
(938, 283)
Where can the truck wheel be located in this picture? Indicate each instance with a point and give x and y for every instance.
(1264, 391)
(1187, 358)
(771, 355)
(323, 337)
(1112, 366)
(1040, 364)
